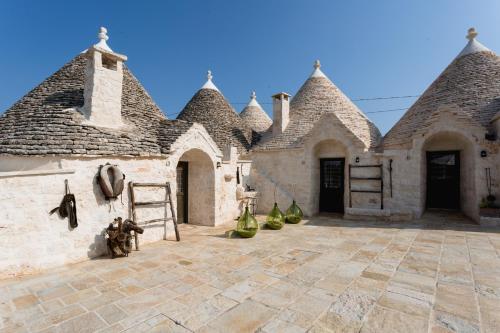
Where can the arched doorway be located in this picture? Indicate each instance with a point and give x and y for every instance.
(329, 160)
(196, 188)
(448, 173)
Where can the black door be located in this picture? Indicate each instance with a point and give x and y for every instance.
(443, 179)
(182, 192)
(331, 195)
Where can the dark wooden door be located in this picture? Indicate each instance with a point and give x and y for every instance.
(182, 192)
(443, 179)
(331, 195)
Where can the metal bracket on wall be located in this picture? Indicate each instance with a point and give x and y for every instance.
(381, 179)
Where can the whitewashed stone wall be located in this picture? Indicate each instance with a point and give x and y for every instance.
(32, 240)
(447, 132)
(295, 173)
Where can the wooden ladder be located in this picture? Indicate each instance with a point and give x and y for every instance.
(167, 201)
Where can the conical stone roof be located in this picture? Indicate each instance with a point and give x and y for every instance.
(319, 96)
(46, 121)
(471, 82)
(209, 108)
(255, 117)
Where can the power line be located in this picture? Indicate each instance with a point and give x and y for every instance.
(354, 100)
(379, 98)
(377, 111)
(388, 110)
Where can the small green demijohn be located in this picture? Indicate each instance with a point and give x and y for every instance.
(275, 220)
(293, 214)
(247, 225)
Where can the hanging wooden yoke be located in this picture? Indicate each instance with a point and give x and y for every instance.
(111, 180)
(67, 207)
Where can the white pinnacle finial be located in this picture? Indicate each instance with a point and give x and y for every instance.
(253, 100)
(103, 37)
(317, 71)
(103, 34)
(473, 46)
(209, 84)
(471, 33)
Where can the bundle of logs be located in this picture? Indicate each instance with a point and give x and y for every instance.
(120, 236)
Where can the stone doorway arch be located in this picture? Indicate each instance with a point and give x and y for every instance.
(196, 187)
(448, 144)
(325, 151)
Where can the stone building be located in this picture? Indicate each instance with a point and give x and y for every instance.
(91, 112)
(318, 149)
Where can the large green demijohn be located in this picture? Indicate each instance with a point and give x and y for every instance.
(293, 214)
(247, 225)
(275, 220)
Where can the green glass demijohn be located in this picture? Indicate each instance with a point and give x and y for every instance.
(293, 214)
(247, 225)
(275, 220)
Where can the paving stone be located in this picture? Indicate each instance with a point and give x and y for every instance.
(280, 326)
(88, 322)
(446, 322)
(406, 303)
(56, 317)
(322, 276)
(242, 290)
(111, 313)
(246, 317)
(25, 301)
(347, 312)
(458, 300)
(390, 321)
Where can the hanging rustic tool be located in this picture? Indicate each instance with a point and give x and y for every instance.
(491, 198)
(111, 180)
(390, 175)
(67, 208)
(119, 239)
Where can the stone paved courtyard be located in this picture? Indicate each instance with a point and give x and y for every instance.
(439, 274)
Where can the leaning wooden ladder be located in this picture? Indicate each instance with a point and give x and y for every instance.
(167, 201)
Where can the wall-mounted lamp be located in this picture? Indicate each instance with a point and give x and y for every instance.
(357, 159)
(218, 165)
(484, 153)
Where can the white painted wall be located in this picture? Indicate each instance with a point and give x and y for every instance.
(32, 240)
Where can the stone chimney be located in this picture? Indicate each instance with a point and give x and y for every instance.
(281, 112)
(103, 84)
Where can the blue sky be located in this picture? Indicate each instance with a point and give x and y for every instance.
(367, 48)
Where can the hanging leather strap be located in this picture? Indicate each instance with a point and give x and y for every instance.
(67, 207)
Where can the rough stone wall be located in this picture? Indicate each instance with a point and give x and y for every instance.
(296, 172)
(32, 240)
(447, 131)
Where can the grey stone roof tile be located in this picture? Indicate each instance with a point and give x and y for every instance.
(319, 96)
(209, 108)
(46, 120)
(471, 82)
